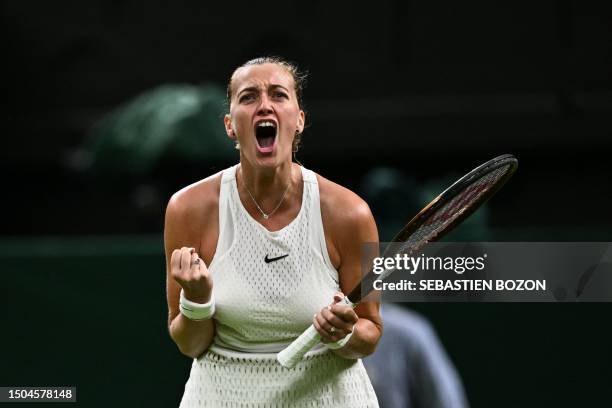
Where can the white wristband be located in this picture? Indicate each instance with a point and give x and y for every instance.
(197, 311)
(340, 343)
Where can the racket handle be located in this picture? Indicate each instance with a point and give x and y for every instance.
(294, 352)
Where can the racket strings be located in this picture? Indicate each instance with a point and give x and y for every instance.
(476, 188)
(447, 213)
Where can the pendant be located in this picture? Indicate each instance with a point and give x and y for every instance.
(265, 216)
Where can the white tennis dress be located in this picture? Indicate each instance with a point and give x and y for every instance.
(267, 287)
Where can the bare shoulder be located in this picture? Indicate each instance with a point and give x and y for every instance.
(347, 220)
(197, 199)
(192, 217)
(341, 206)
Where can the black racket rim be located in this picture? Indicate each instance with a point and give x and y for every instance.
(458, 186)
(447, 195)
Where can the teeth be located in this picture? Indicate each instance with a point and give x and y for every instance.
(266, 124)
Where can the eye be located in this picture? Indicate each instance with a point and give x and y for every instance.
(280, 94)
(247, 97)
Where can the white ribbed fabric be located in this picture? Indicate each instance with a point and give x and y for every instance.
(261, 307)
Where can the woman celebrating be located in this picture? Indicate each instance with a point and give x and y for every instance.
(253, 252)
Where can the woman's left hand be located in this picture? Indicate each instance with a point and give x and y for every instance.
(335, 321)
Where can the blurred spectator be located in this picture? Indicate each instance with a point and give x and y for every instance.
(410, 368)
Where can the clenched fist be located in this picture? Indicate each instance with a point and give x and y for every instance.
(191, 273)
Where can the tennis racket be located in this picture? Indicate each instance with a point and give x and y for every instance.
(438, 218)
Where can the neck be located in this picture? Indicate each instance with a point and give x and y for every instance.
(266, 185)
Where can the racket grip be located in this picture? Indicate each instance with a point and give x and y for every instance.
(294, 352)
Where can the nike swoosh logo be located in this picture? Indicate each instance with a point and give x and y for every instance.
(268, 260)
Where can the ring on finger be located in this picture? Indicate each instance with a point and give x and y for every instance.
(196, 261)
(332, 330)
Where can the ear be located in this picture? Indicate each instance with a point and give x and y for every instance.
(301, 121)
(229, 127)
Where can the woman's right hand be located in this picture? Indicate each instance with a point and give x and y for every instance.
(189, 271)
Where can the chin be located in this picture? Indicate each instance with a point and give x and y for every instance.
(270, 161)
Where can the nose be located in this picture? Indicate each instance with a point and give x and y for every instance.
(265, 105)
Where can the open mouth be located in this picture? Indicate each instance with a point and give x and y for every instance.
(265, 133)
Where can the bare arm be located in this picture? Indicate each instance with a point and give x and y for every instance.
(349, 223)
(181, 238)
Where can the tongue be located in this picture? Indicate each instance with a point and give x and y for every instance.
(265, 141)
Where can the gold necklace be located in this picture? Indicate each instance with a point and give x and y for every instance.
(268, 215)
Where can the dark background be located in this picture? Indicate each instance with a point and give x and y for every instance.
(430, 88)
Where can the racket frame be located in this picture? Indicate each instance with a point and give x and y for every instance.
(446, 196)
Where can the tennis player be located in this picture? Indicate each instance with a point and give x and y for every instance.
(258, 252)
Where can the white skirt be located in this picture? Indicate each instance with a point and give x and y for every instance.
(221, 378)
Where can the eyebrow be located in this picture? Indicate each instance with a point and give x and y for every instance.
(255, 89)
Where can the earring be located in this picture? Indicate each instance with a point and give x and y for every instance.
(236, 142)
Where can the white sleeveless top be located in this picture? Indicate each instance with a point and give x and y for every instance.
(268, 285)
(262, 306)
